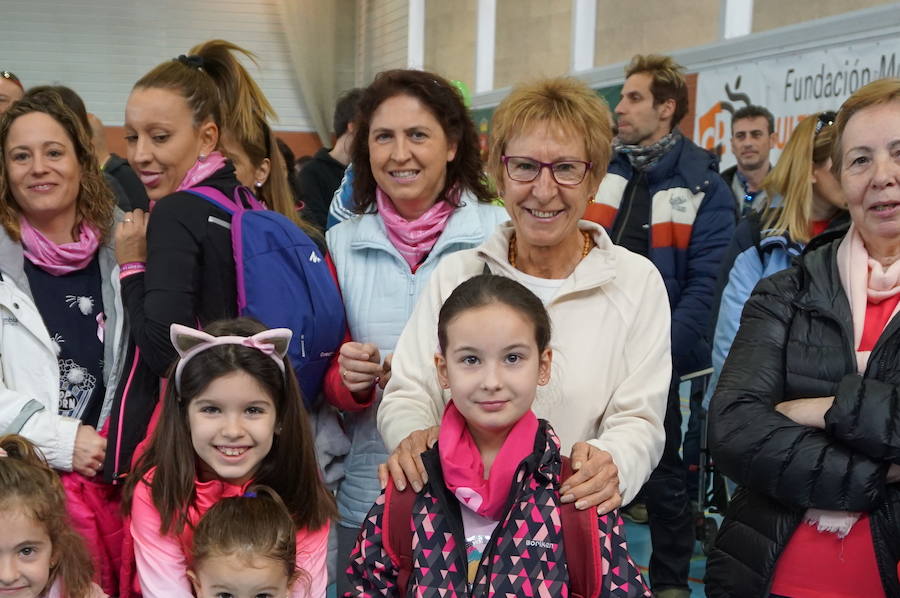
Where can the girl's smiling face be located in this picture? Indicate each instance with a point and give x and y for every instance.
(232, 424)
(26, 554)
(492, 366)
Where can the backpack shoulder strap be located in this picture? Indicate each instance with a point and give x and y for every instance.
(398, 534)
(581, 536)
(216, 197)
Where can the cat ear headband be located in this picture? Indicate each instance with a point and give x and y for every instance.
(189, 342)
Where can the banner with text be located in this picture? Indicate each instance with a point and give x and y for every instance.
(791, 87)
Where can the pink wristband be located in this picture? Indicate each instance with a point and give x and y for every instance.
(131, 268)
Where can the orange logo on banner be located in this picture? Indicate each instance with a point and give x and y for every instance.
(714, 126)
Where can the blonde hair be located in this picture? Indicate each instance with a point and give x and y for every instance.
(561, 101)
(877, 92)
(95, 203)
(27, 483)
(668, 81)
(790, 179)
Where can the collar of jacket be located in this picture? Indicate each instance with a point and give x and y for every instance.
(596, 269)
(820, 287)
(463, 226)
(544, 463)
(693, 164)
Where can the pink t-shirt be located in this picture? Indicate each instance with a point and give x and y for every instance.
(478, 532)
(162, 561)
(56, 591)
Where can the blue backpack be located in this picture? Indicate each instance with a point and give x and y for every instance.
(284, 282)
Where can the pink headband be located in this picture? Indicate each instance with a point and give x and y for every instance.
(189, 342)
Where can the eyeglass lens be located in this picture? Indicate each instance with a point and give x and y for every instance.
(564, 172)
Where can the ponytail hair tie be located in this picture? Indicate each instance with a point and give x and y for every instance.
(193, 61)
(250, 494)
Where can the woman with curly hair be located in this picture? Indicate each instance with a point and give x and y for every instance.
(63, 335)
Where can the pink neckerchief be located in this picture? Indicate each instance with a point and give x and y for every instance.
(202, 170)
(464, 470)
(864, 280)
(59, 259)
(414, 239)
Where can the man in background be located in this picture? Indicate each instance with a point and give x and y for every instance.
(663, 198)
(321, 176)
(752, 138)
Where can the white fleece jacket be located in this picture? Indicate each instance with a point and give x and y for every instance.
(612, 360)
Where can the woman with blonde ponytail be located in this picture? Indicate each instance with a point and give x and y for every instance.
(804, 201)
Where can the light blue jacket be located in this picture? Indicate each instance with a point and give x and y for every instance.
(379, 295)
(756, 260)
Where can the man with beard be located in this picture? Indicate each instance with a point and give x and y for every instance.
(664, 199)
(752, 138)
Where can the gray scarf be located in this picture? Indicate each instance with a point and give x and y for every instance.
(643, 157)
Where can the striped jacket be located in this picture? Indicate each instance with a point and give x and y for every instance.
(692, 221)
(524, 557)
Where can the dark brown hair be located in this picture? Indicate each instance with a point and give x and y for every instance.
(446, 105)
(95, 202)
(218, 88)
(27, 483)
(290, 468)
(257, 524)
(668, 82)
(486, 289)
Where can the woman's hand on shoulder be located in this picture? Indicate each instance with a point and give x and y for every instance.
(90, 451)
(360, 365)
(405, 463)
(131, 237)
(595, 482)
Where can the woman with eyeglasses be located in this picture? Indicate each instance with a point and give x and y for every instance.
(804, 200)
(11, 90)
(420, 195)
(608, 306)
(805, 416)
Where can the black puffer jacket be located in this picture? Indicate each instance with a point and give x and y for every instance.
(795, 341)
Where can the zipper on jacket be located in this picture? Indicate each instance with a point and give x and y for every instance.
(627, 213)
(450, 506)
(125, 392)
(487, 557)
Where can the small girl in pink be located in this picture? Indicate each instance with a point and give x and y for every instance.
(232, 418)
(41, 555)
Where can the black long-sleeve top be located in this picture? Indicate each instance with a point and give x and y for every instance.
(190, 276)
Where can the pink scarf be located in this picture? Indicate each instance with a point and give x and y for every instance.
(202, 170)
(414, 239)
(59, 259)
(864, 280)
(464, 470)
